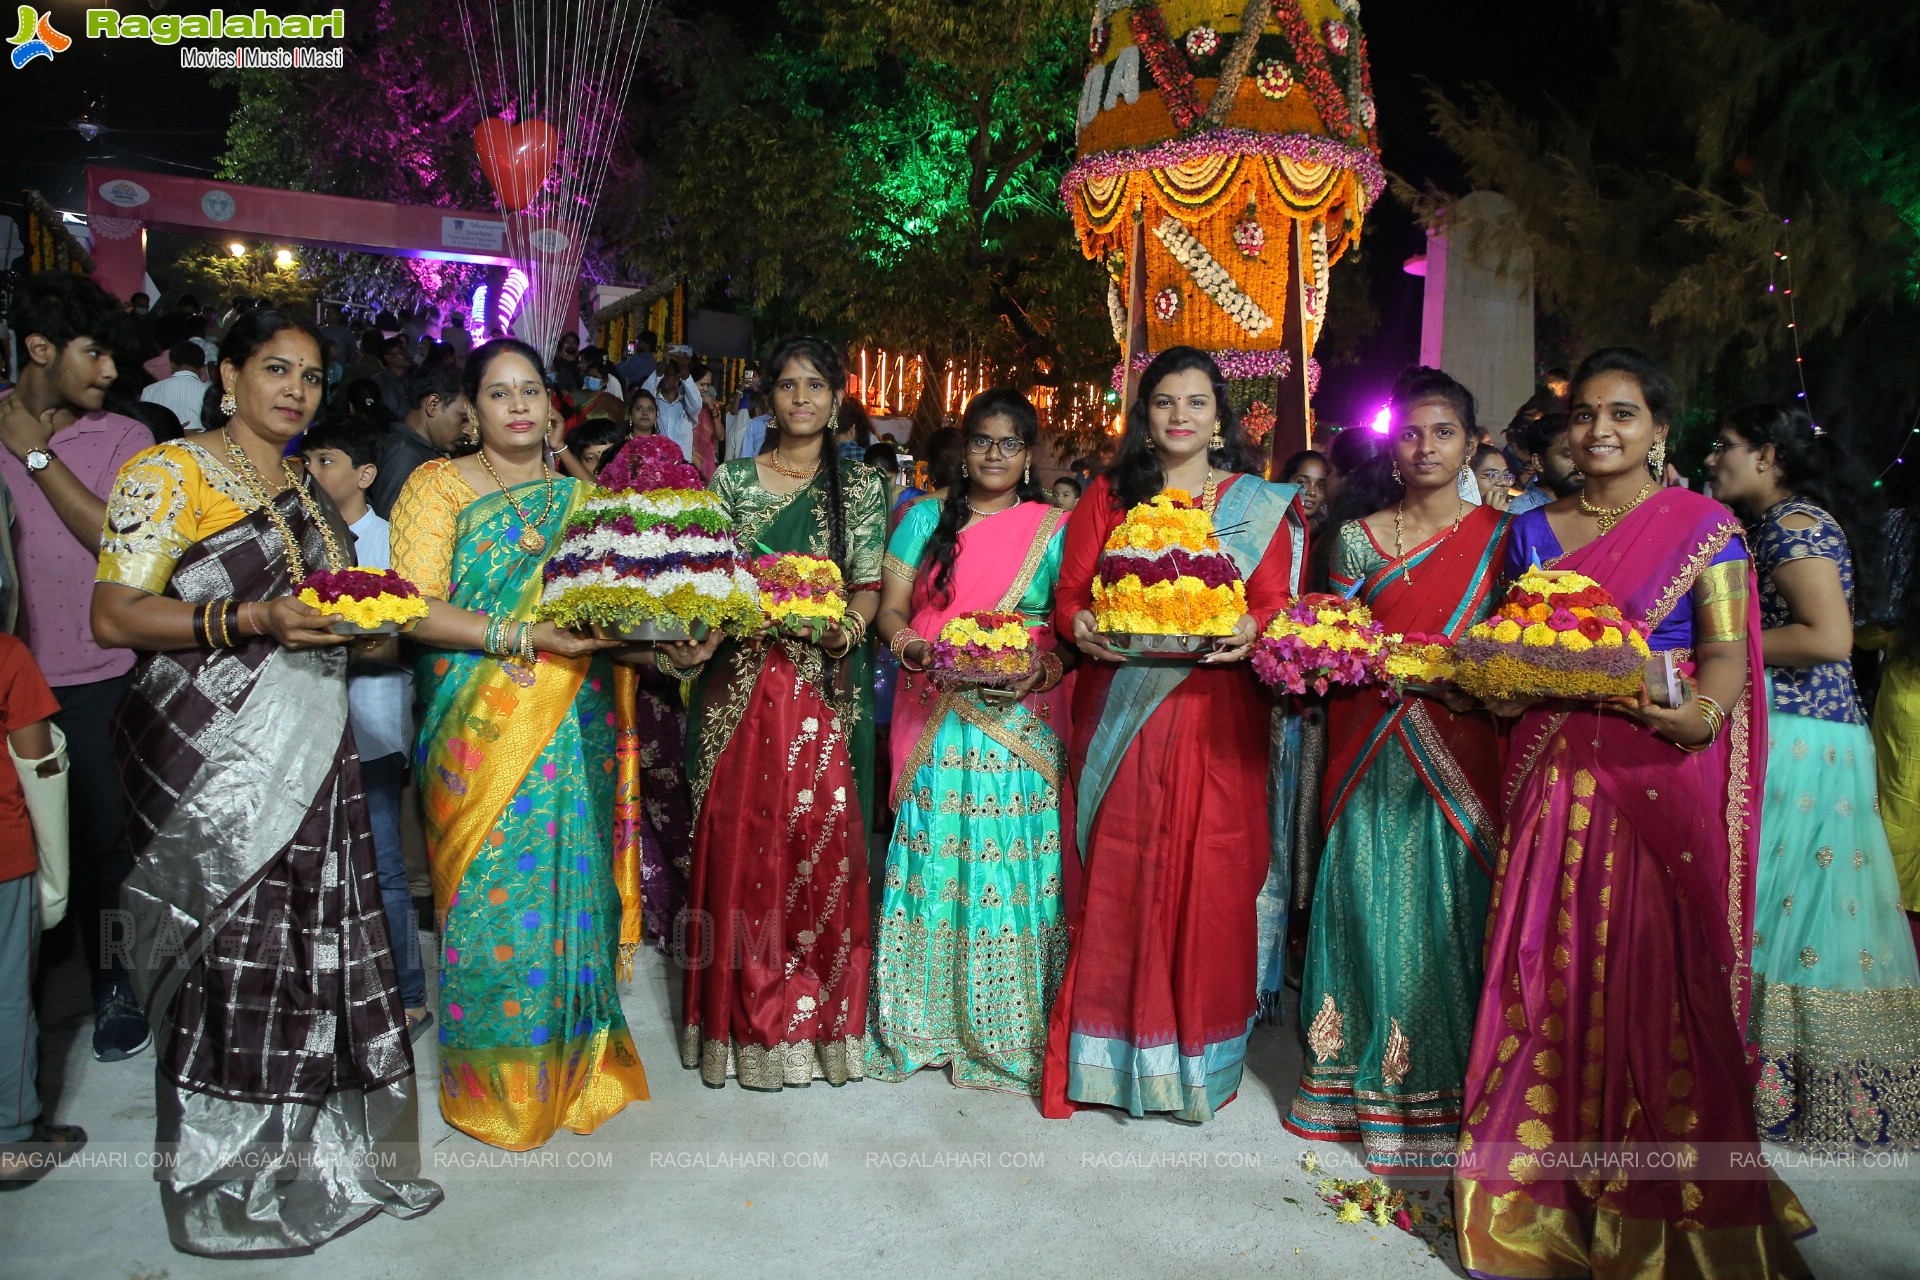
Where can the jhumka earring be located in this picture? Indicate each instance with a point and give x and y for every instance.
(1216, 441)
(1657, 459)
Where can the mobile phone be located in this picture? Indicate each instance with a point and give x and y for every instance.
(1665, 683)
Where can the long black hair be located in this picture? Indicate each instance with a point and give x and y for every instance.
(1136, 474)
(994, 402)
(248, 334)
(827, 363)
(1815, 467)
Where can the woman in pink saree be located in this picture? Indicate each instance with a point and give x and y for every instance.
(1609, 1127)
(970, 939)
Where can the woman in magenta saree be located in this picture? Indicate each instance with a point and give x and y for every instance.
(1611, 1021)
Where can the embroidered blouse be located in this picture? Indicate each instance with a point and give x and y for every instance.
(737, 484)
(1825, 691)
(166, 499)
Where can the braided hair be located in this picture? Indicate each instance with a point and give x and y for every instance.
(994, 402)
(833, 370)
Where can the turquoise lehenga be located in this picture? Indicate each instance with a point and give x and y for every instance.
(1836, 991)
(970, 938)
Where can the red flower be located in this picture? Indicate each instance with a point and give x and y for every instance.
(1592, 629)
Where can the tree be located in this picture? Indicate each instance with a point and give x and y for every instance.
(1729, 131)
(889, 170)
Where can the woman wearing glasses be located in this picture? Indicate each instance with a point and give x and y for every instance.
(1836, 990)
(1171, 764)
(971, 937)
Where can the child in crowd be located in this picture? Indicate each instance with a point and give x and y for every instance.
(596, 441)
(30, 1147)
(341, 454)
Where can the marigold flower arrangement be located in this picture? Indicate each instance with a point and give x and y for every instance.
(983, 648)
(652, 546)
(1556, 635)
(796, 586)
(1418, 659)
(370, 599)
(1320, 641)
(1163, 573)
(1273, 78)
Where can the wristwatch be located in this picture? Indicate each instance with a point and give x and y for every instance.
(38, 460)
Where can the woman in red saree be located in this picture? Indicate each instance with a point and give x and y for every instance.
(1412, 819)
(780, 745)
(1170, 764)
(1610, 1127)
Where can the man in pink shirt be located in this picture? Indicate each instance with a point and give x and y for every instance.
(60, 457)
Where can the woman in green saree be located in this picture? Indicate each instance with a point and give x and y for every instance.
(780, 743)
(515, 760)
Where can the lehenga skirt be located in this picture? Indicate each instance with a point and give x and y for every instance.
(1393, 975)
(1836, 990)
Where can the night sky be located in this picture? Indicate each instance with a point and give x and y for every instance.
(160, 117)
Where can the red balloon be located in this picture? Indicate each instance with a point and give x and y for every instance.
(516, 157)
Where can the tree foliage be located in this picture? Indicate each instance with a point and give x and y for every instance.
(1728, 131)
(889, 170)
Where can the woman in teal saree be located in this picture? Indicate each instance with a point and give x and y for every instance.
(515, 760)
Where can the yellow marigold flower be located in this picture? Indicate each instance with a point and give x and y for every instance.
(1506, 631)
(1539, 635)
(1574, 642)
(1609, 639)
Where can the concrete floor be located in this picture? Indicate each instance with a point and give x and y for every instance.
(869, 1179)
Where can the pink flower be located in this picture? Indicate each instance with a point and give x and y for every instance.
(1562, 620)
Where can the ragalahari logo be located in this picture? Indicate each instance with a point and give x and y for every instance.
(37, 38)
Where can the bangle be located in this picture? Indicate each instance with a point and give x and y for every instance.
(200, 640)
(562, 449)
(855, 625)
(902, 639)
(666, 667)
(229, 616)
(1054, 672)
(525, 645)
(846, 647)
(247, 624)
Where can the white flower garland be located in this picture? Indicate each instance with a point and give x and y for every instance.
(1116, 312)
(1213, 279)
(1316, 297)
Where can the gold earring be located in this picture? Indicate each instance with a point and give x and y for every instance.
(1026, 477)
(1396, 475)
(1657, 459)
(1215, 441)
(228, 405)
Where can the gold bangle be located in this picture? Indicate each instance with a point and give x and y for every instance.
(845, 648)
(902, 640)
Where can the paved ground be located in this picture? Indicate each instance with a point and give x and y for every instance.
(870, 1179)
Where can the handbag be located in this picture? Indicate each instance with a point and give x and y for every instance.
(47, 811)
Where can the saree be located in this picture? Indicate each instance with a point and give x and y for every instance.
(1400, 906)
(1609, 1127)
(259, 938)
(652, 810)
(775, 941)
(516, 780)
(1170, 763)
(970, 937)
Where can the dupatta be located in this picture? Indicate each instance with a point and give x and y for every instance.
(1252, 509)
(1457, 757)
(994, 564)
(486, 721)
(1698, 812)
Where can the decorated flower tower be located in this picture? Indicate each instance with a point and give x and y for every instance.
(1227, 157)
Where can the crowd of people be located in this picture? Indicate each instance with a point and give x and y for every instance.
(1518, 929)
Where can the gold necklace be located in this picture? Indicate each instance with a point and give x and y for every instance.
(1607, 517)
(532, 541)
(1400, 532)
(773, 460)
(249, 475)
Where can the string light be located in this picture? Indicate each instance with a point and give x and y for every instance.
(1900, 458)
(1783, 265)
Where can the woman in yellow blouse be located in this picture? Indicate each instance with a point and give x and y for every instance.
(260, 941)
(515, 764)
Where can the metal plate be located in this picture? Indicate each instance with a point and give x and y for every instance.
(354, 629)
(1148, 646)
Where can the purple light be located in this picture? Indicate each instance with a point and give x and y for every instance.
(510, 294)
(477, 315)
(1383, 420)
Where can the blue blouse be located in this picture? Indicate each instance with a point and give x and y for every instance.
(1533, 543)
(1825, 691)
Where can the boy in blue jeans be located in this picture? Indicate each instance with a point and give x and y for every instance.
(340, 456)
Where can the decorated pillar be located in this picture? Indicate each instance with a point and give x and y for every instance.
(1240, 138)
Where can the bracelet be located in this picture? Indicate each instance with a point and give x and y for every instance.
(562, 449)
(1054, 672)
(246, 620)
(845, 649)
(902, 639)
(666, 667)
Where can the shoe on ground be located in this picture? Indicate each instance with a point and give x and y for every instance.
(120, 1030)
(417, 1027)
(31, 1159)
